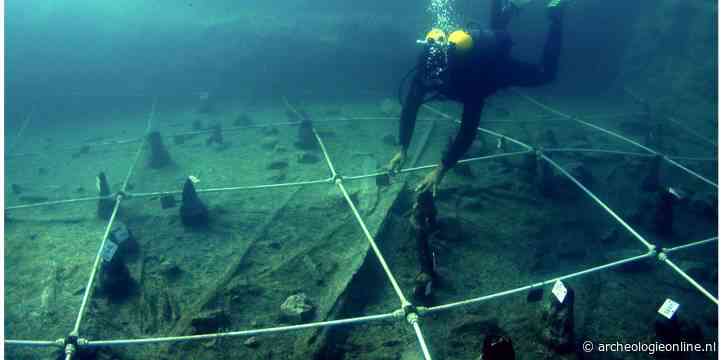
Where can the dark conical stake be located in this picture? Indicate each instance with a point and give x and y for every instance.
(307, 140)
(193, 211)
(159, 156)
(497, 347)
(558, 322)
(550, 139)
(116, 281)
(547, 179)
(105, 205)
(651, 182)
(664, 213)
(216, 136)
(530, 165)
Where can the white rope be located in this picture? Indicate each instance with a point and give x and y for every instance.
(535, 285)
(621, 137)
(468, 160)
(373, 244)
(232, 188)
(366, 176)
(690, 280)
(340, 185)
(563, 171)
(32, 343)
(599, 202)
(200, 132)
(267, 186)
(89, 286)
(612, 116)
(562, 114)
(422, 342)
(614, 134)
(363, 226)
(130, 195)
(326, 154)
(487, 131)
(691, 158)
(691, 172)
(495, 156)
(548, 118)
(693, 244)
(422, 167)
(96, 264)
(691, 131)
(57, 202)
(616, 152)
(278, 329)
(370, 238)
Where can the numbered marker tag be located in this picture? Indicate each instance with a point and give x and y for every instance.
(428, 289)
(97, 183)
(499, 143)
(668, 308)
(108, 251)
(120, 233)
(559, 290)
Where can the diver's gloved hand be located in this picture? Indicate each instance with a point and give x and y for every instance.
(431, 181)
(397, 161)
(555, 9)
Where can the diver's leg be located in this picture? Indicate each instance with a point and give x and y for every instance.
(495, 10)
(501, 13)
(518, 73)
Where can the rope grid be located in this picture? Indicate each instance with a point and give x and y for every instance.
(407, 311)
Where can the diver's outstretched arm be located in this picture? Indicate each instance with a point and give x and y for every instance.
(465, 135)
(411, 106)
(525, 74)
(501, 12)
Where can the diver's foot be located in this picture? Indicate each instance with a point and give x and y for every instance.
(423, 286)
(554, 9)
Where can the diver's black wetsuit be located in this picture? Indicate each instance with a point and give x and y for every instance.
(471, 77)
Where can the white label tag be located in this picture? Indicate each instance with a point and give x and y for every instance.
(559, 290)
(428, 289)
(120, 233)
(668, 308)
(108, 251)
(97, 183)
(499, 143)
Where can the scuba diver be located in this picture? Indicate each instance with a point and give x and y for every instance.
(467, 66)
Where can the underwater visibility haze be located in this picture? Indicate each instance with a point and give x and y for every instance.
(427, 179)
